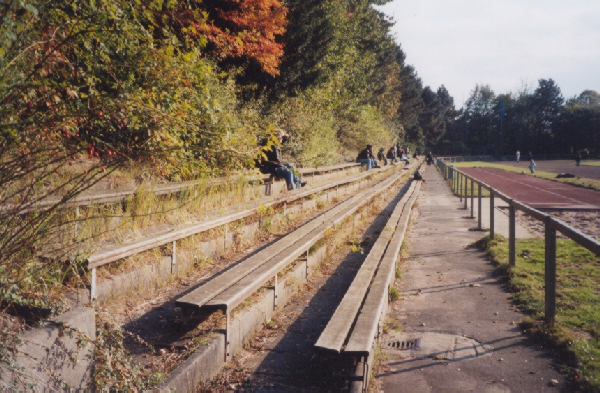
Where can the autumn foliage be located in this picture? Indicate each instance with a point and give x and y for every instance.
(239, 29)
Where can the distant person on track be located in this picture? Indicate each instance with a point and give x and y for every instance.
(532, 165)
(518, 156)
(366, 157)
(274, 164)
(577, 158)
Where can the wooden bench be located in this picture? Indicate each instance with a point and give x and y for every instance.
(171, 235)
(355, 324)
(227, 290)
(113, 196)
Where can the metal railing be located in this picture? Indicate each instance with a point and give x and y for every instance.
(460, 182)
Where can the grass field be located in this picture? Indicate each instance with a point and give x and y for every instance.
(576, 331)
(591, 184)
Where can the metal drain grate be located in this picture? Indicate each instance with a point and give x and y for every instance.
(404, 345)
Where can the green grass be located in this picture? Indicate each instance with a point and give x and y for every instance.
(577, 327)
(590, 163)
(592, 184)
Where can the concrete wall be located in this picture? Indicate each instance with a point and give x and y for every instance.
(56, 357)
(207, 361)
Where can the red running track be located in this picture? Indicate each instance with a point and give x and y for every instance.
(535, 192)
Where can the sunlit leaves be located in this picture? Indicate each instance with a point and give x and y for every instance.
(239, 29)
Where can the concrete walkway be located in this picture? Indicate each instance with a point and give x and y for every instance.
(454, 328)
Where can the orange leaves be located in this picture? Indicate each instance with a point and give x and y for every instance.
(241, 29)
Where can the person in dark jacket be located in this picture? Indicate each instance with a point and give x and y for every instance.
(392, 154)
(429, 158)
(274, 164)
(366, 157)
(381, 156)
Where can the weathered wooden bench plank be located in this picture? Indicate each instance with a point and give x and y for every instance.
(237, 293)
(227, 290)
(89, 198)
(336, 332)
(364, 332)
(220, 283)
(211, 289)
(114, 253)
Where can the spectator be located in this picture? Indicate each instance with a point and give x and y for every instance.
(366, 157)
(274, 165)
(392, 154)
(405, 157)
(518, 156)
(577, 158)
(381, 155)
(429, 158)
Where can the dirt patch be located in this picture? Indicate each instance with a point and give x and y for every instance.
(584, 221)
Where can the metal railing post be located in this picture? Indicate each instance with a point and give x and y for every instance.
(455, 182)
(550, 271)
(466, 182)
(492, 233)
(479, 206)
(460, 186)
(511, 234)
(472, 198)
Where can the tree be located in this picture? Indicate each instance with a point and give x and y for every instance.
(431, 118)
(411, 102)
(479, 114)
(237, 31)
(547, 102)
(308, 38)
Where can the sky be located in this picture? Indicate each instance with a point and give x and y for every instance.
(508, 45)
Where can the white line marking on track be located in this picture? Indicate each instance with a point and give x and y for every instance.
(534, 187)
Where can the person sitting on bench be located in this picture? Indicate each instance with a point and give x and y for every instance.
(366, 157)
(274, 164)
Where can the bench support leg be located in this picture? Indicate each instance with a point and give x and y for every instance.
(306, 275)
(76, 229)
(275, 292)
(174, 257)
(93, 286)
(365, 374)
(361, 366)
(226, 335)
